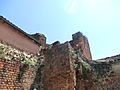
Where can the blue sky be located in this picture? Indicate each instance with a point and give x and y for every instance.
(99, 20)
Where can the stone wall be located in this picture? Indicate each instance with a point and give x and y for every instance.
(108, 73)
(81, 42)
(66, 66)
(9, 75)
(17, 68)
(15, 77)
(58, 72)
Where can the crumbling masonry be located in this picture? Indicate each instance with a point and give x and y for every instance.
(30, 64)
(67, 66)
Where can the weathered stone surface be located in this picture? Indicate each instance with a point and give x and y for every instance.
(81, 42)
(66, 66)
(109, 75)
(8, 75)
(40, 37)
(58, 72)
(17, 68)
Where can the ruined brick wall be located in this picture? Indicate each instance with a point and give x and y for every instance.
(15, 77)
(28, 77)
(101, 74)
(58, 72)
(81, 42)
(41, 38)
(108, 77)
(17, 68)
(67, 66)
(9, 75)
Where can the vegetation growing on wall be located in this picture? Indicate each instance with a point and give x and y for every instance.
(10, 53)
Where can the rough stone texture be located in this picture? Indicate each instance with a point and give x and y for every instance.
(40, 37)
(9, 75)
(67, 66)
(110, 70)
(58, 72)
(15, 76)
(81, 42)
(37, 83)
(28, 77)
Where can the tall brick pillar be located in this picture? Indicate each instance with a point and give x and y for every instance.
(81, 42)
(58, 72)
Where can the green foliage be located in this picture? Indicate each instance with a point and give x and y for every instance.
(82, 67)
